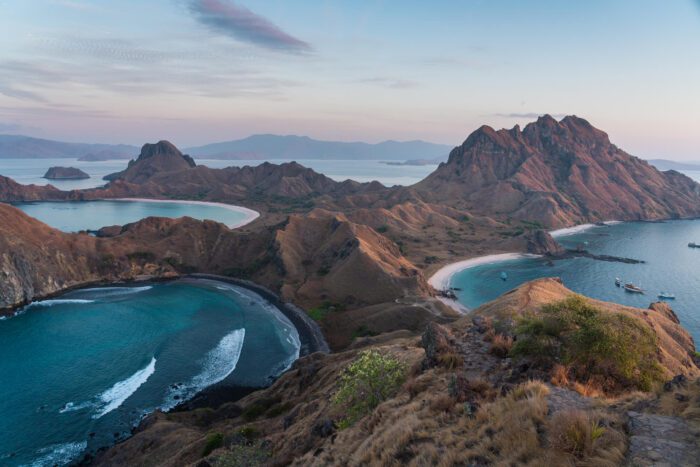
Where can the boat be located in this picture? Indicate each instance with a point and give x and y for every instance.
(504, 276)
(694, 245)
(447, 293)
(618, 282)
(667, 296)
(629, 287)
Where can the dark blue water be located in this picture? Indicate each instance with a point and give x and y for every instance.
(73, 216)
(670, 266)
(77, 370)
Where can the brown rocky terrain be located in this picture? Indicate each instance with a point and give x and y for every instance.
(317, 261)
(559, 174)
(356, 257)
(462, 403)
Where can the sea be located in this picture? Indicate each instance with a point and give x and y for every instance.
(31, 171)
(79, 371)
(669, 266)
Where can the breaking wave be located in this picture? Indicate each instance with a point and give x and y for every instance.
(216, 366)
(59, 454)
(115, 396)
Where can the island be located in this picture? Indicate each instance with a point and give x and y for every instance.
(65, 173)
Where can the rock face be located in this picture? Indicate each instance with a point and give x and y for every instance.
(65, 173)
(154, 158)
(558, 174)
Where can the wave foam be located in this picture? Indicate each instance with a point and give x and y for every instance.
(115, 396)
(217, 365)
(73, 407)
(109, 291)
(61, 301)
(59, 454)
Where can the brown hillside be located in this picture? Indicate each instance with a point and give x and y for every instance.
(557, 173)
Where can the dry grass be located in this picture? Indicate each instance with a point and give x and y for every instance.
(682, 401)
(450, 360)
(583, 436)
(501, 345)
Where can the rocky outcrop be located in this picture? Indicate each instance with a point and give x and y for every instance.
(675, 347)
(540, 242)
(558, 174)
(65, 173)
(154, 158)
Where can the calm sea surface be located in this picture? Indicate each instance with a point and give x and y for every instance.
(73, 216)
(27, 171)
(670, 266)
(79, 371)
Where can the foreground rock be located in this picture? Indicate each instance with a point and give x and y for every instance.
(65, 173)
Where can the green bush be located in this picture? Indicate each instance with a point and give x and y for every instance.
(366, 382)
(214, 441)
(591, 342)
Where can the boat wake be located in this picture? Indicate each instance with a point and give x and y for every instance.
(115, 396)
(216, 366)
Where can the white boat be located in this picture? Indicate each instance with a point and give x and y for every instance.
(618, 282)
(629, 287)
(667, 296)
(504, 276)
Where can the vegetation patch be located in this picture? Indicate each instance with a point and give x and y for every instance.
(614, 349)
(367, 382)
(319, 313)
(214, 441)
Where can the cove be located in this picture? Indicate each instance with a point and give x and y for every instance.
(79, 371)
(669, 266)
(73, 216)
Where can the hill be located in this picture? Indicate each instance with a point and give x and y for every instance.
(271, 147)
(557, 173)
(17, 146)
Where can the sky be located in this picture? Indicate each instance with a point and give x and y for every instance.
(200, 71)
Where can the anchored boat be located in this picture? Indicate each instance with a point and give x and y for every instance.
(629, 287)
(504, 276)
(666, 296)
(694, 245)
(618, 282)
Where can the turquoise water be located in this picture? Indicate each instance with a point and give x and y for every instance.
(670, 266)
(28, 171)
(80, 369)
(73, 216)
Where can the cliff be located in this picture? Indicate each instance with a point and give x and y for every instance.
(558, 173)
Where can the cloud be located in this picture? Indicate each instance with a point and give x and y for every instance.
(525, 115)
(74, 5)
(242, 24)
(389, 82)
(14, 92)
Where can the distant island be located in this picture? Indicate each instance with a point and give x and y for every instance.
(65, 173)
(664, 164)
(415, 162)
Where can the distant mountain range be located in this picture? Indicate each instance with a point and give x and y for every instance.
(271, 147)
(664, 164)
(17, 146)
(257, 147)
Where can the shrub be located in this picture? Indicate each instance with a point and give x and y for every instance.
(141, 256)
(593, 344)
(382, 229)
(214, 441)
(450, 360)
(366, 382)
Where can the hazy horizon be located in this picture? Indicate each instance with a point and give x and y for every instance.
(202, 71)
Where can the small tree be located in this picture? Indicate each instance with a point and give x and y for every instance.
(368, 381)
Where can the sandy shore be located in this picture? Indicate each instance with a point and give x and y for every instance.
(250, 215)
(578, 229)
(442, 278)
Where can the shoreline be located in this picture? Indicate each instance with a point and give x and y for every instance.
(441, 279)
(563, 232)
(250, 214)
